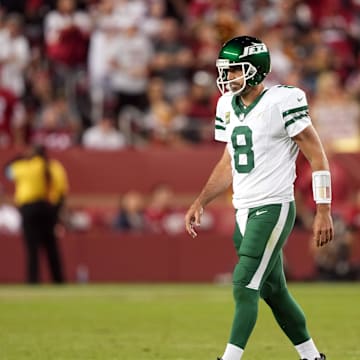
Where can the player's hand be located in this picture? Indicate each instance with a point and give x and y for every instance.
(193, 217)
(323, 227)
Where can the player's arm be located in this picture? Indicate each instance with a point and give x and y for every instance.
(219, 180)
(310, 144)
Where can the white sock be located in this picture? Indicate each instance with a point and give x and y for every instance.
(307, 350)
(232, 352)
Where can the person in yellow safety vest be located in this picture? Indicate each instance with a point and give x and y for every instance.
(40, 188)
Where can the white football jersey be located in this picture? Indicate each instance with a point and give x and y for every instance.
(259, 140)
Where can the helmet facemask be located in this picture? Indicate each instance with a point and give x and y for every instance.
(223, 83)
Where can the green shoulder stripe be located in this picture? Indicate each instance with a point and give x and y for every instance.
(289, 122)
(291, 111)
(219, 119)
(219, 127)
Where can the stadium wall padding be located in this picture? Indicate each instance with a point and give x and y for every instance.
(107, 256)
(98, 256)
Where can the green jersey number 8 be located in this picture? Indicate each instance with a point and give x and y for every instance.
(241, 139)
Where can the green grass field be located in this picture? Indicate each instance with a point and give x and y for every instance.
(164, 322)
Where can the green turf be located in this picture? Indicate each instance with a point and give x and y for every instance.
(163, 322)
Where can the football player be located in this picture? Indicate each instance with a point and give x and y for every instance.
(263, 130)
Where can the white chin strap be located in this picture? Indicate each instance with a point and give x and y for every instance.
(223, 85)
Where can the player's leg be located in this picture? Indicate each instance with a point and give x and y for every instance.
(265, 230)
(287, 312)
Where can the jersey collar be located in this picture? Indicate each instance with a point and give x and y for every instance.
(240, 109)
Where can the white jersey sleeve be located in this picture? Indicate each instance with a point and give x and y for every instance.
(221, 120)
(295, 111)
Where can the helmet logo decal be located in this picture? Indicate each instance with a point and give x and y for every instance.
(253, 49)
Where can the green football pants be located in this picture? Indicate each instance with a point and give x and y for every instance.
(259, 236)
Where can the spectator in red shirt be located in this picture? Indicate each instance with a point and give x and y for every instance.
(11, 119)
(67, 33)
(160, 214)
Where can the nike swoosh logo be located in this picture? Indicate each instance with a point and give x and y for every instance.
(299, 99)
(258, 212)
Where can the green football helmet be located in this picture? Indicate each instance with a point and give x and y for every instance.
(248, 53)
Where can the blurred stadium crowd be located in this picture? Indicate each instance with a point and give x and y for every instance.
(115, 74)
(119, 73)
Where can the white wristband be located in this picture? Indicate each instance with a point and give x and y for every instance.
(321, 184)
